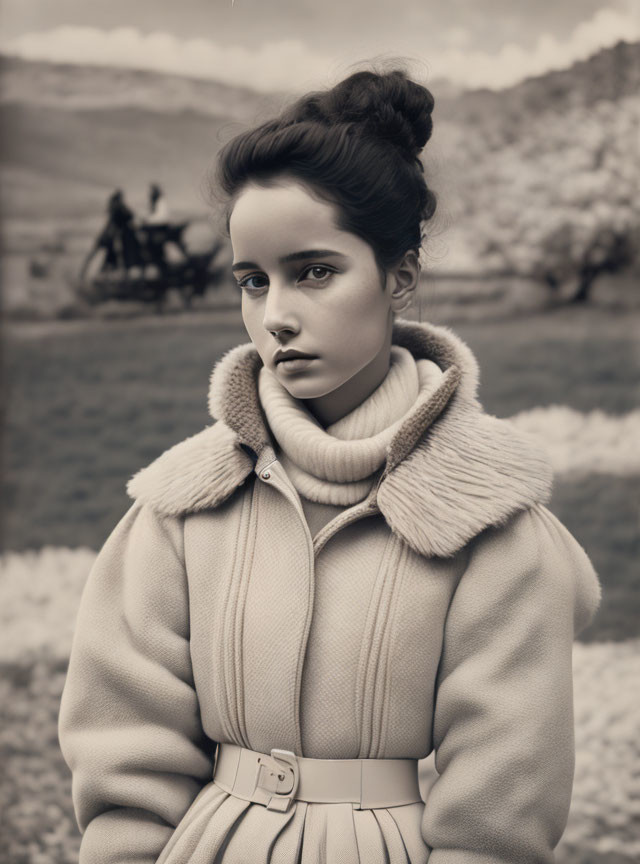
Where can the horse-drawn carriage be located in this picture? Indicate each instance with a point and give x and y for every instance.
(135, 265)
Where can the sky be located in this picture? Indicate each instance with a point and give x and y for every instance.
(297, 44)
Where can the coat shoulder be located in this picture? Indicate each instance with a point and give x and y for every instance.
(471, 471)
(196, 474)
(536, 553)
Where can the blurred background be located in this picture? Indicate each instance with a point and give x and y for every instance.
(117, 302)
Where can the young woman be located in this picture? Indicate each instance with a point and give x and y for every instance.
(352, 567)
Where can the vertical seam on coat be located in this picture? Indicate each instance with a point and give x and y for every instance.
(220, 642)
(363, 662)
(380, 688)
(245, 577)
(396, 588)
(311, 591)
(239, 579)
(379, 683)
(368, 660)
(227, 639)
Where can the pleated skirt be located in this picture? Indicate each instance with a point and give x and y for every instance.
(220, 828)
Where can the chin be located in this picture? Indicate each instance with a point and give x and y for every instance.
(310, 389)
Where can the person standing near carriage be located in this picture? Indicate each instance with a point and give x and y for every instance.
(158, 207)
(121, 224)
(156, 228)
(159, 230)
(118, 238)
(160, 214)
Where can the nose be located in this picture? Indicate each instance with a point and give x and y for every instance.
(279, 315)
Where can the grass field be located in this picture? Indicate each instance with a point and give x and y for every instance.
(89, 403)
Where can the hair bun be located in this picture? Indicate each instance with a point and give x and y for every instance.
(390, 104)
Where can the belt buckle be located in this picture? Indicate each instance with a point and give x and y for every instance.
(272, 767)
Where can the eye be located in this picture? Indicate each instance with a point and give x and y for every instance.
(319, 272)
(245, 284)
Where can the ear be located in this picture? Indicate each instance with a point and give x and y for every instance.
(403, 280)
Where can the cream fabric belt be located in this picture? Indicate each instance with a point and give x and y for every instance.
(277, 779)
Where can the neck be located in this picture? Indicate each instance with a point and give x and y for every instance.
(331, 407)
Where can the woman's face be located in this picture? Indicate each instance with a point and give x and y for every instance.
(316, 285)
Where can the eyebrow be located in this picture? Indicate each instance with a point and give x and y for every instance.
(293, 256)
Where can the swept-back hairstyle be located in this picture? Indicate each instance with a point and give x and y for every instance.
(357, 146)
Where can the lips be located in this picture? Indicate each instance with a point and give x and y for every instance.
(292, 364)
(293, 355)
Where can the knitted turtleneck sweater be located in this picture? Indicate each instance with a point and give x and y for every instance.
(334, 467)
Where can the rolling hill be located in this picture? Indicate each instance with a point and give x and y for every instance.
(71, 134)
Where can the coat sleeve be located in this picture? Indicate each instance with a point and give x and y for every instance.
(503, 720)
(129, 723)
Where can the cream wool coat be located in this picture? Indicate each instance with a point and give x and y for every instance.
(439, 612)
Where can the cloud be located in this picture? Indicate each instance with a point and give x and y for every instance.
(513, 63)
(292, 65)
(457, 37)
(284, 64)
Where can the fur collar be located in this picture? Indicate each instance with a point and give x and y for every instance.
(451, 470)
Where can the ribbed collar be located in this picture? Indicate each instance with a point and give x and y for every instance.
(234, 397)
(337, 464)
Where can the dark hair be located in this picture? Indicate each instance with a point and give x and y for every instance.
(356, 145)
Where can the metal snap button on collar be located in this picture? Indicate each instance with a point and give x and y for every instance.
(266, 475)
